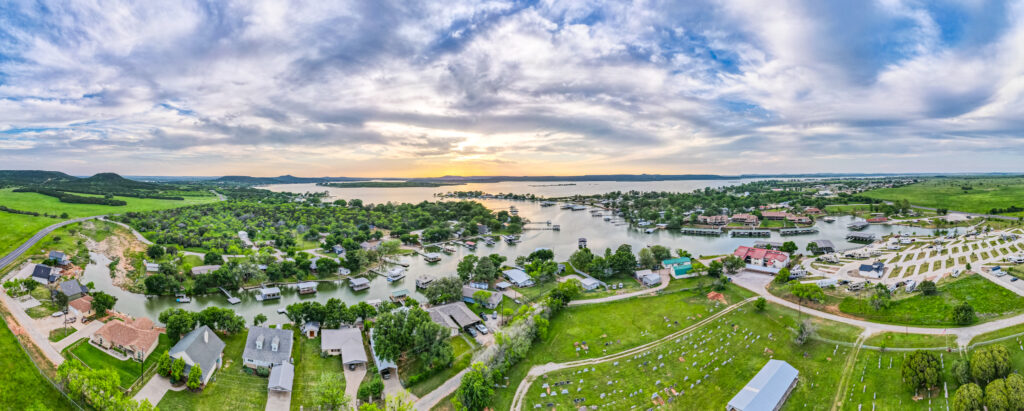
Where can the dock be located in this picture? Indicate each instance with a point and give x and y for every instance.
(798, 231)
(864, 237)
(701, 231)
(750, 233)
(231, 299)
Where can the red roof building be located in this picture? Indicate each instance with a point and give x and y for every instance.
(762, 257)
(774, 215)
(878, 220)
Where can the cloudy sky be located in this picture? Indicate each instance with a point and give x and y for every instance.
(424, 88)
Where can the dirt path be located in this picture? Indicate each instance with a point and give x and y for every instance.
(430, 400)
(846, 371)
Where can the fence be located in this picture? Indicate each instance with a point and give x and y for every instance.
(40, 370)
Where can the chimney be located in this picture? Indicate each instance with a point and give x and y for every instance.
(206, 336)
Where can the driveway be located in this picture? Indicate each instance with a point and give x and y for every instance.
(352, 380)
(84, 332)
(394, 386)
(155, 389)
(278, 400)
(432, 398)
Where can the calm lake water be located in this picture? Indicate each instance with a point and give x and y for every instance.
(574, 224)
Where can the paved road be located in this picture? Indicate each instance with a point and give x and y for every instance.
(27, 326)
(430, 400)
(13, 255)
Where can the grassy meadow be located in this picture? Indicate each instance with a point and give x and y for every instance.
(983, 194)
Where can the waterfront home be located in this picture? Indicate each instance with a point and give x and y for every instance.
(384, 367)
(204, 269)
(268, 293)
(307, 287)
(81, 307)
(311, 329)
(490, 303)
(346, 342)
(73, 289)
(423, 282)
(768, 389)
(151, 267)
(713, 219)
(200, 346)
(454, 316)
(45, 274)
(745, 219)
(359, 284)
(874, 270)
(395, 274)
(518, 277)
(680, 266)
(774, 215)
(135, 338)
(482, 229)
(59, 258)
(761, 257)
(267, 347)
(502, 286)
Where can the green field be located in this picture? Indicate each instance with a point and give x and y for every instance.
(875, 383)
(902, 340)
(18, 227)
(21, 385)
(984, 194)
(695, 366)
(230, 389)
(990, 301)
(308, 367)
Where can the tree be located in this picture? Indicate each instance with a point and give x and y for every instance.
(646, 257)
(996, 398)
(155, 251)
(544, 254)
(178, 322)
(465, 267)
(177, 369)
(398, 402)
(921, 370)
(963, 314)
(475, 390)
(481, 296)
(807, 292)
(98, 388)
(734, 264)
(804, 331)
(715, 269)
(880, 299)
(101, 302)
(444, 290)
(962, 371)
(623, 262)
(760, 304)
(195, 377)
(968, 398)
(782, 277)
(164, 364)
(812, 247)
(1015, 391)
(566, 292)
(327, 267)
(212, 258)
(990, 363)
(484, 270)
(789, 247)
(259, 319)
(412, 331)
(927, 287)
(330, 392)
(661, 253)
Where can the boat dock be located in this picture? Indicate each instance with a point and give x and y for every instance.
(750, 233)
(797, 231)
(863, 237)
(231, 299)
(701, 231)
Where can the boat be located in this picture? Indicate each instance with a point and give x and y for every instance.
(471, 245)
(547, 204)
(282, 311)
(423, 282)
(579, 207)
(582, 243)
(182, 298)
(649, 230)
(489, 241)
(566, 206)
(607, 218)
(395, 274)
(829, 219)
(514, 212)
(556, 227)
(447, 249)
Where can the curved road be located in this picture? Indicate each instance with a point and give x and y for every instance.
(13, 255)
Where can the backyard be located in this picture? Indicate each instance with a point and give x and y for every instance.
(128, 370)
(230, 389)
(308, 367)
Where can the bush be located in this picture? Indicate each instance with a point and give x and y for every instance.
(263, 371)
(371, 387)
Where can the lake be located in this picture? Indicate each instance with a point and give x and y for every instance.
(574, 224)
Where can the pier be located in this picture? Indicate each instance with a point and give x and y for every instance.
(701, 231)
(797, 231)
(750, 233)
(231, 299)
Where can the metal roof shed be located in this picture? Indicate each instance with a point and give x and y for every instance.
(768, 390)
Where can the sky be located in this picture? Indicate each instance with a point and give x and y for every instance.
(428, 88)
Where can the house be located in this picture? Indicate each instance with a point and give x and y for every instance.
(339, 250)
(200, 346)
(267, 347)
(679, 266)
(589, 283)
(502, 286)
(268, 293)
(359, 283)
(82, 307)
(45, 274)
(713, 219)
(311, 329)
(454, 316)
(825, 246)
(346, 342)
(745, 219)
(490, 303)
(874, 270)
(244, 237)
(774, 215)
(648, 278)
(812, 210)
(73, 289)
(367, 246)
(768, 389)
(281, 378)
(136, 338)
(518, 277)
(762, 257)
(307, 287)
(383, 365)
(798, 219)
(482, 229)
(204, 269)
(151, 267)
(59, 257)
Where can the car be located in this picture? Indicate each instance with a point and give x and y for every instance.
(352, 367)
(471, 331)
(482, 328)
(57, 314)
(1014, 279)
(386, 374)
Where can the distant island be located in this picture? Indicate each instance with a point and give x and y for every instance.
(388, 184)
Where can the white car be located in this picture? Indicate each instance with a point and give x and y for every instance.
(57, 314)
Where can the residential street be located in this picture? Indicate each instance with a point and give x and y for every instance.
(430, 400)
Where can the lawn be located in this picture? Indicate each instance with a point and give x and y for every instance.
(708, 366)
(18, 228)
(60, 333)
(127, 370)
(990, 301)
(308, 367)
(984, 193)
(231, 389)
(903, 340)
(22, 386)
(875, 382)
(463, 352)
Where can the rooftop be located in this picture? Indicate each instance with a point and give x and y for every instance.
(767, 389)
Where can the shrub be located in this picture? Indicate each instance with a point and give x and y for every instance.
(263, 371)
